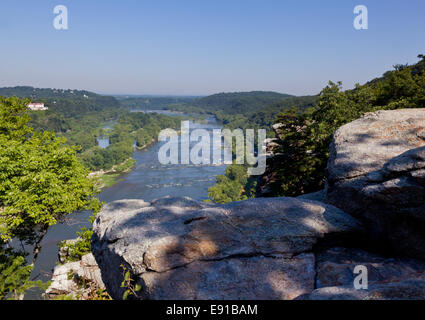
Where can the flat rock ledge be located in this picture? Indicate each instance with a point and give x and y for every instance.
(178, 248)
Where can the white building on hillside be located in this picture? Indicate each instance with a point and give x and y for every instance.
(37, 107)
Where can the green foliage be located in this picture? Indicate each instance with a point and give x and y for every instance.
(257, 111)
(68, 103)
(263, 116)
(79, 248)
(13, 118)
(235, 185)
(306, 137)
(14, 275)
(41, 181)
(153, 103)
(130, 127)
(87, 290)
(128, 283)
(125, 166)
(234, 103)
(239, 102)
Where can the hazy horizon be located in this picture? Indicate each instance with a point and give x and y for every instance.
(135, 95)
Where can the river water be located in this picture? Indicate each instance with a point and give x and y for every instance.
(148, 180)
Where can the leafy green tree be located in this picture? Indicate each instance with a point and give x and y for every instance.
(14, 275)
(235, 185)
(41, 181)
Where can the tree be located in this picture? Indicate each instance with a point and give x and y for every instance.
(235, 185)
(41, 180)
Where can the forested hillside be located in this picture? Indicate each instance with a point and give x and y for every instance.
(256, 109)
(44, 93)
(238, 102)
(153, 102)
(263, 116)
(69, 103)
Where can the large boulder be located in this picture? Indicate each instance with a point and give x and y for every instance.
(376, 172)
(177, 248)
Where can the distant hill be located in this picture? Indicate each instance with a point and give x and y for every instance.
(221, 104)
(239, 102)
(66, 102)
(266, 117)
(152, 102)
(234, 109)
(45, 93)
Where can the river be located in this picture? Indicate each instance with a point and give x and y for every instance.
(148, 180)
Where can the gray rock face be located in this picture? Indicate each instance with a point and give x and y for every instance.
(410, 289)
(65, 280)
(388, 278)
(335, 267)
(376, 172)
(177, 248)
(365, 145)
(316, 196)
(246, 278)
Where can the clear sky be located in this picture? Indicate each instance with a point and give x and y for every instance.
(205, 46)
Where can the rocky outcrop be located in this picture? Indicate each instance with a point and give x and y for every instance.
(376, 172)
(76, 279)
(286, 248)
(177, 248)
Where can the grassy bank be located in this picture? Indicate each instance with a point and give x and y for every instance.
(106, 179)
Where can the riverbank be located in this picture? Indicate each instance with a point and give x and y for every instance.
(110, 177)
(106, 179)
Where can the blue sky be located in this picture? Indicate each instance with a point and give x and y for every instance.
(201, 47)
